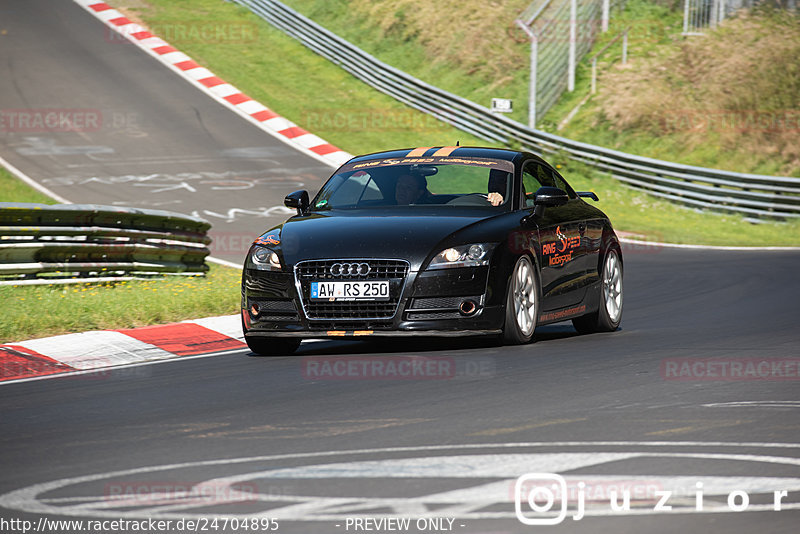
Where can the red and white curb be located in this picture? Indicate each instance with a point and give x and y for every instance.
(224, 93)
(95, 350)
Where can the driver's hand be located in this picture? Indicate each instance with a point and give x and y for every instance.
(495, 198)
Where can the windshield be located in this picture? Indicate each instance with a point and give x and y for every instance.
(438, 182)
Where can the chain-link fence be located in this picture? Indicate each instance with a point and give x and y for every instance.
(700, 15)
(561, 33)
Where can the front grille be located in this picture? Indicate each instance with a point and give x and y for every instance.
(320, 270)
(351, 310)
(379, 270)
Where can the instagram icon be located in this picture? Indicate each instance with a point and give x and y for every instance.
(535, 495)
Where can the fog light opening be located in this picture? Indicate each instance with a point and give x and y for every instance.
(468, 307)
(254, 309)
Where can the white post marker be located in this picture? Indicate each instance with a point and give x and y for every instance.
(502, 105)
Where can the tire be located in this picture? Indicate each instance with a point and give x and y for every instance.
(272, 346)
(522, 303)
(609, 315)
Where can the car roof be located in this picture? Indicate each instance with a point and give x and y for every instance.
(454, 151)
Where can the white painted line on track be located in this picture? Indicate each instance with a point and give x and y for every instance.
(657, 244)
(226, 263)
(754, 404)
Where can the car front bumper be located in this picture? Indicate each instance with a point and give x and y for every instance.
(273, 305)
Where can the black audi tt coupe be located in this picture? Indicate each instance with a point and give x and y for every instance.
(437, 241)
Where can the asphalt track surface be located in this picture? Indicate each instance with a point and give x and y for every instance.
(315, 449)
(148, 138)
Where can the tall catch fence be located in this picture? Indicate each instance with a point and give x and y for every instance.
(557, 46)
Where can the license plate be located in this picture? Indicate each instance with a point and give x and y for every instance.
(372, 290)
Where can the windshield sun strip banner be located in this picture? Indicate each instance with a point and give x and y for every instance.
(417, 152)
(445, 151)
(500, 164)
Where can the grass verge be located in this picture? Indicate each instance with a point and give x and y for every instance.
(40, 311)
(12, 189)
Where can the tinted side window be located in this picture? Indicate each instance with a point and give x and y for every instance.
(534, 176)
(562, 184)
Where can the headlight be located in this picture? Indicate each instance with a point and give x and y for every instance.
(265, 259)
(463, 256)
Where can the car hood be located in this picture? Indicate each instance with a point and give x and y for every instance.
(373, 234)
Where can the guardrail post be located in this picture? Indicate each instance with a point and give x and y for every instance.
(604, 23)
(594, 75)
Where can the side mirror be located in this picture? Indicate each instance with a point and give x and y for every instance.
(297, 200)
(550, 196)
(546, 197)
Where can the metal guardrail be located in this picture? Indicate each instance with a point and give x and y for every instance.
(43, 243)
(748, 194)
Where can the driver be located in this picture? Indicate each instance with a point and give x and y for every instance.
(497, 186)
(411, 189)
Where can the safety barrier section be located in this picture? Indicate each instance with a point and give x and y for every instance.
(41, 243)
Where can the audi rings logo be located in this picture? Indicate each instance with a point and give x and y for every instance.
(350, 269)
